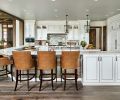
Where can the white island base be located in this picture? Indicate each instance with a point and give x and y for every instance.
(101, 68)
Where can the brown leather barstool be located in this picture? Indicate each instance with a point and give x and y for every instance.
(4, 62)
(23, 62)
(47, 61)
(70, 60)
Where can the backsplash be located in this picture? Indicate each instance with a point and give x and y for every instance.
(57, 39)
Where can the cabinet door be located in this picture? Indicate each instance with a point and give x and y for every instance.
(70, 34)
(117, 69)
(76, 34)
(39, 34)
(55, 29)
(42, 33)
(29, 28)
(91, 68)
(107, 64)
(114, 40)
(118, 35)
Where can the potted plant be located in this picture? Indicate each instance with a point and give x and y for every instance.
(2, 43)
(83, 43)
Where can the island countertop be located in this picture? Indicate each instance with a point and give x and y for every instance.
(8, 51)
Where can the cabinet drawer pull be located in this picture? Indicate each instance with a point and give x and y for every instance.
(101, 59)
(115, 44)
(116, 59)
(98, 59)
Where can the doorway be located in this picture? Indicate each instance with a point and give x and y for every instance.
(8, 30)
(95, 37)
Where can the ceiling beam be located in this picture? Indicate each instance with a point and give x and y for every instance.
(12, 15)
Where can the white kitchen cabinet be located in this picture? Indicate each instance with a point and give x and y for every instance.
(70, 33)
(41, 33)
(107, 66)
(29, 28)
(113, 33)
(54, 29)
(91, 68)
(117, 69)
(74, 33)
(98, 68)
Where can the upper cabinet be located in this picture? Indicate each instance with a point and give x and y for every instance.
(29, 28)
(41, 32)
(56, 29)
(74, 33)
(113, 33)
(76, 28)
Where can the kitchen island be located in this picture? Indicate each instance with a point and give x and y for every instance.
(97, 67)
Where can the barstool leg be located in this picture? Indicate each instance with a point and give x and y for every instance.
(20, 74)
(56, 69)
(56, 73)
(11, 71)
(6, 70)
(52, 79)
(41, 72)
(16, 80)
(35, 73)
(64, 79)
(61, 73)
(76, 79)
(28, 79)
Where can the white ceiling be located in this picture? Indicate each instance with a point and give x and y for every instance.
(49, 10)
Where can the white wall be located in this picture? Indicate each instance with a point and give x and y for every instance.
(98, 23)
(17, 33)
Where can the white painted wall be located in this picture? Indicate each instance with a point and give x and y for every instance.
(98, 23)
(17, 33)
(97, 37)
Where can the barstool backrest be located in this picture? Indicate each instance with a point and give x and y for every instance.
(5, 61)
(46, 60)
(22, 60)
(70, 59)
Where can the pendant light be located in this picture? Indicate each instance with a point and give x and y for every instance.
(66, 26)
(88, 25)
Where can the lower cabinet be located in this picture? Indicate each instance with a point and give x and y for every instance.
(107, 66)
(99, 68)
(117, 69)
(90, 68)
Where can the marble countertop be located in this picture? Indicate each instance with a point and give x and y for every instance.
(8, 51)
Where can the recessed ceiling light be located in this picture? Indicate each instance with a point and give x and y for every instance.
(25, 10)
(87, 10)
(95, 0)
(55, 10)
(107, 15)
(56, 15)
(118, 9)
(111, 12)
(10, 0)
(53, 0)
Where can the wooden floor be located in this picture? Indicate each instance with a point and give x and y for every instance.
(84, 93)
